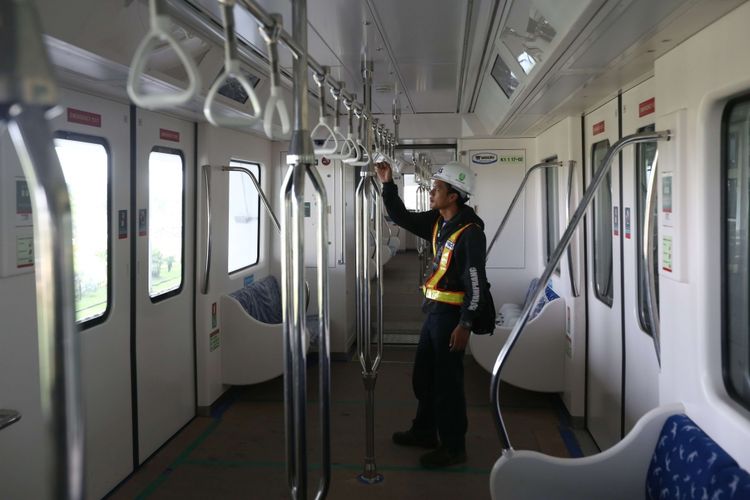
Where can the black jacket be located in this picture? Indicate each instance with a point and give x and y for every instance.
(466, 271)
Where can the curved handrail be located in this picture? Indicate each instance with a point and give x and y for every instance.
(544, 164)
(275, 100)
(320, 79)
(231, 70)
(652, 307)
(207, 263)
(59, 351)
(588, 195)
(8, 418)
(573, 276)
(262, 195)
(159, 32)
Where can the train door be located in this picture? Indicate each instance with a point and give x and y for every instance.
(164, 199)
(641, 364)
(92, 142)
(604, 357)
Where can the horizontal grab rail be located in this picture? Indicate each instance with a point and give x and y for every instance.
(554, 259)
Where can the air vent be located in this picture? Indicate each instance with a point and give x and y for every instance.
(234, 91)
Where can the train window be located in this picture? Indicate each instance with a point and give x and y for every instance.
(644, 157)
(552, 208)
(244, 218)
(504, 77)
(166, 202)
(736, 249)
(85, 162)
(410, 192)
(602, 228)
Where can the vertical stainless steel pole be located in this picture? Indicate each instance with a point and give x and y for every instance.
(368, 196)
(27, 91)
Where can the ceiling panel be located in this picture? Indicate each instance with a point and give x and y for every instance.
(432, 87)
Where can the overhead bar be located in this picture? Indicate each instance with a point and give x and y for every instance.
(554, 259)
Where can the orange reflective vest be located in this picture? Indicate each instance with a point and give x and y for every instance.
(430, 289)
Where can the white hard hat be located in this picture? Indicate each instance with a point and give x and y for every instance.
(457, 175)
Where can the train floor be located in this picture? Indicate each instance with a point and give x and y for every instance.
(239, 452)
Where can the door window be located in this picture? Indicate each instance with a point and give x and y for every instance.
(644, 157)
(166, 211)
(602, 228)
(85, 162)
(244, 219)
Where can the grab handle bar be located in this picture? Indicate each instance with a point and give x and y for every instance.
(231, 70)
(649, 219)
(8, 418)
(262, 195)
(588, 195)
(276, 100)
(354, 152)
(506, 217)
(344, 149)
(571, 271)
(207, 263)
(320, 79)
(27, 91)
(159, 32)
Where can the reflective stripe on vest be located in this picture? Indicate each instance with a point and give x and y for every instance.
(430, 287)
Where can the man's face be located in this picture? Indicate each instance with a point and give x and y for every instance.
(440, 197)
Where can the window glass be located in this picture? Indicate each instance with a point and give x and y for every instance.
(410, 192)
(504, 76)
(645, 153)
(165, 221)
(602, 228)
(85, 165)
(244, 217)
(553, 209)
(736, 261)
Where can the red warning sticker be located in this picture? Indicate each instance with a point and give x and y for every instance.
(598, 127)
(84, 117)
(169, 135)
(647, 107)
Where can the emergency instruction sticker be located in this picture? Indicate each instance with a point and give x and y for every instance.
(214, 341)
(122, 224)
(143, 222)
(616, 221)
(627, 223)
(666, 198)
(666, 254)
(24, 251)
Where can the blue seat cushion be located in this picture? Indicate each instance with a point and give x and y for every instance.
(688, 464)
(261, 299)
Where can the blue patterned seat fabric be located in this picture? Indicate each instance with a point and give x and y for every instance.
(262, 300)
(687, 464)
(549, 296)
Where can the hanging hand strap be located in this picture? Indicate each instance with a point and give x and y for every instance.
(353, 149)
(231, 70)
(320, 79)
(159, 32)
(276, 100)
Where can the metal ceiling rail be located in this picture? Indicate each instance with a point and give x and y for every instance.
(266, 20)
(554, 259)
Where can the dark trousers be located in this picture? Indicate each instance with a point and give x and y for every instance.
(438, 381)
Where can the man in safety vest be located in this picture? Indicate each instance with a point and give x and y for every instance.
(452, 301)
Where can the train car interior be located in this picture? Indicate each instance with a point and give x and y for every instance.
(217, 278)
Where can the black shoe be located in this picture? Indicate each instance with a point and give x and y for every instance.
(416, 437)
(442, 457)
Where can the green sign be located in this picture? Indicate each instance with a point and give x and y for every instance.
(214, 341)
(24, 252)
